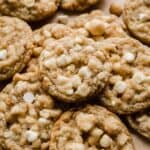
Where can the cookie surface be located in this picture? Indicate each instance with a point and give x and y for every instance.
(97, 24)
(15, 46)
(90, 128)
(77, 5)
(73, 68)
(29, 10)
(137, 19)
(27, 113)
(128, 88)
(41, 39)
(140, 122)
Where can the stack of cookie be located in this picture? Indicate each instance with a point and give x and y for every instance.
(63, 84)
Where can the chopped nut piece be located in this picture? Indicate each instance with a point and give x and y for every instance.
(85, 122)
(116, 9)
(105, 141)
(96, 27)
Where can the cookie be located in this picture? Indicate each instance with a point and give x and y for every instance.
(97, 24)
(140, 122)
(73, 68)
(15, 46)
(77, 5)
(27, 114)
(29, 10)
(90, 128)
(137, 18)
(128, 88)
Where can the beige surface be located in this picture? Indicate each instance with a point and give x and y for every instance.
(140, 143)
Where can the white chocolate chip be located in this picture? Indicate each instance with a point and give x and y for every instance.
(129, 57)
(138, 77)
(83, 90)
(74, 146)
(3, 54)
(122, 139)
(96, 27)
(50, 63)
(31, 136)
(120, 87)
(63, 60)
(76, 81)
(105, 141)
(85, 121)
(85, 72)
(69, 91)
(28, 97)
(95, 136)
(42, 120)
(62, 80)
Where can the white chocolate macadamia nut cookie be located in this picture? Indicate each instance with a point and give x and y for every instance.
(90, 128)
(77, 5)
(27, 114)
(29, 10)
(137, 18)
(128, 88)
(140, 122)
(15, 46)
(73, 68)
(97, 24)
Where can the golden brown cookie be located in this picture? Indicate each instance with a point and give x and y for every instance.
(27, 114)
(128, 88)
(90, 128)
(73, 68)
